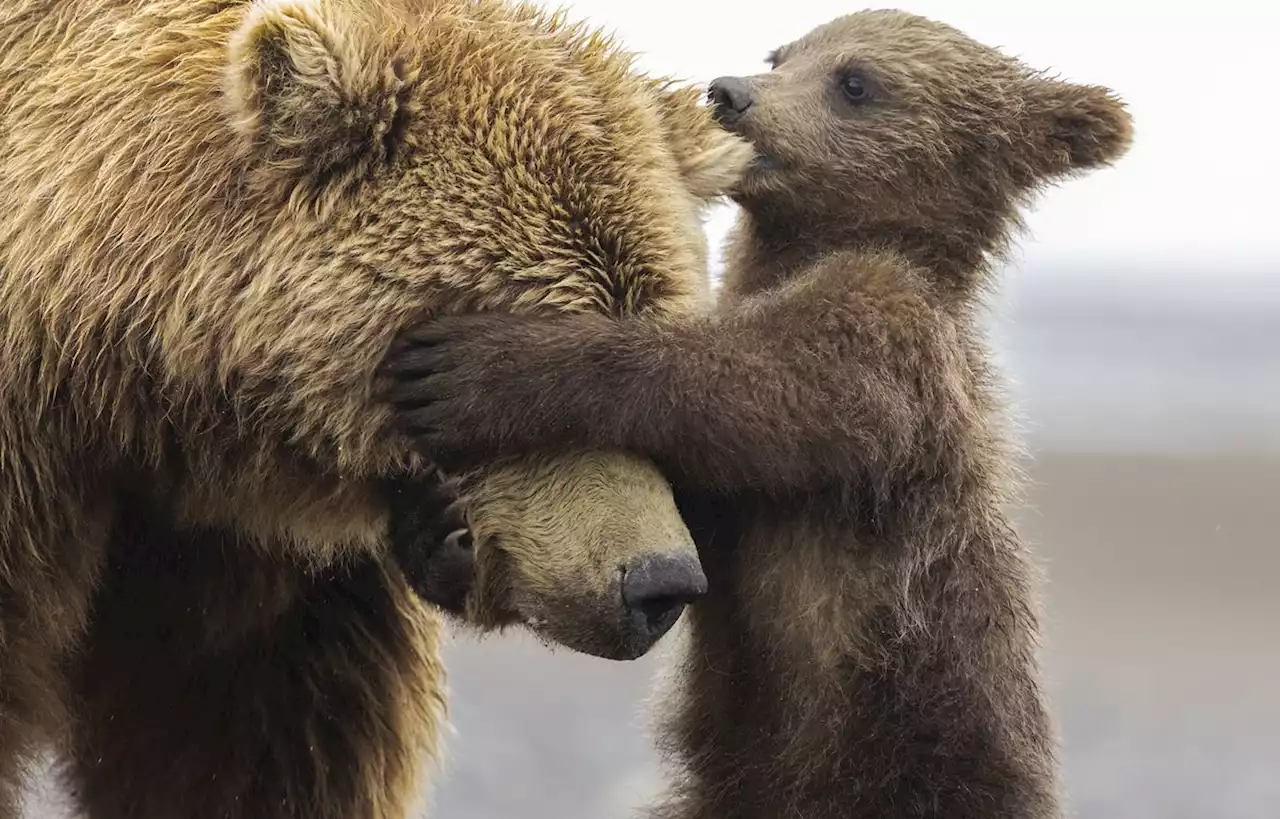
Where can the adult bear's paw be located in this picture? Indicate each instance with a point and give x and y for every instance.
(431, 540)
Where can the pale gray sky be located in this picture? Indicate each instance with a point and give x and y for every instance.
(1203, 179)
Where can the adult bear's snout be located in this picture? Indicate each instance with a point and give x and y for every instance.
(656, 588)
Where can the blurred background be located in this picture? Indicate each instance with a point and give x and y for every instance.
(1140, 329)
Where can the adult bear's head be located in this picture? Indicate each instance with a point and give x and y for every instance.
(485, 156)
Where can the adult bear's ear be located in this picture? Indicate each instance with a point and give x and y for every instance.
(1077, 127)
(711, 159)
(313, 89)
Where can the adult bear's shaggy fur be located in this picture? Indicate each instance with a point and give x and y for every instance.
(215, 216)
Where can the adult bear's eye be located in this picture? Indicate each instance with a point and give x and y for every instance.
(854, 87)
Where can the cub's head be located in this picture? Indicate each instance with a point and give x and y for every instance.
(884, 119)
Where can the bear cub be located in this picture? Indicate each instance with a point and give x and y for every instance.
(834, 430)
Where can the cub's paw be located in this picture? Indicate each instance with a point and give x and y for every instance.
(430, 539)
(454, 382)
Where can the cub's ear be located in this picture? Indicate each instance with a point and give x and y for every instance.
(306, 86)
(1079, 127)
(711, 159)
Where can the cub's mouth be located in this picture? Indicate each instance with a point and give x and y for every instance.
(766, 176)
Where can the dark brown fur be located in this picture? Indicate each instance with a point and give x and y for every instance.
(834, 430)
(219, 680)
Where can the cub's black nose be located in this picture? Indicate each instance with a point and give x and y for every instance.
(656, 588)
(730, 98)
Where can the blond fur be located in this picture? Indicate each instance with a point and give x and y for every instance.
(216, 217)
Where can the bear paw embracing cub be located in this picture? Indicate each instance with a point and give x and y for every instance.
(215, 218)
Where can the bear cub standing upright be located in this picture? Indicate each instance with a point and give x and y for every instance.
(834, 431)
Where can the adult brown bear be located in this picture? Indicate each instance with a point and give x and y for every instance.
(215, 216)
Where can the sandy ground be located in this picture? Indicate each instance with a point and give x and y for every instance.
(1161, 646)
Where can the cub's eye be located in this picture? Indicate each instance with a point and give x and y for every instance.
(854, 87)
